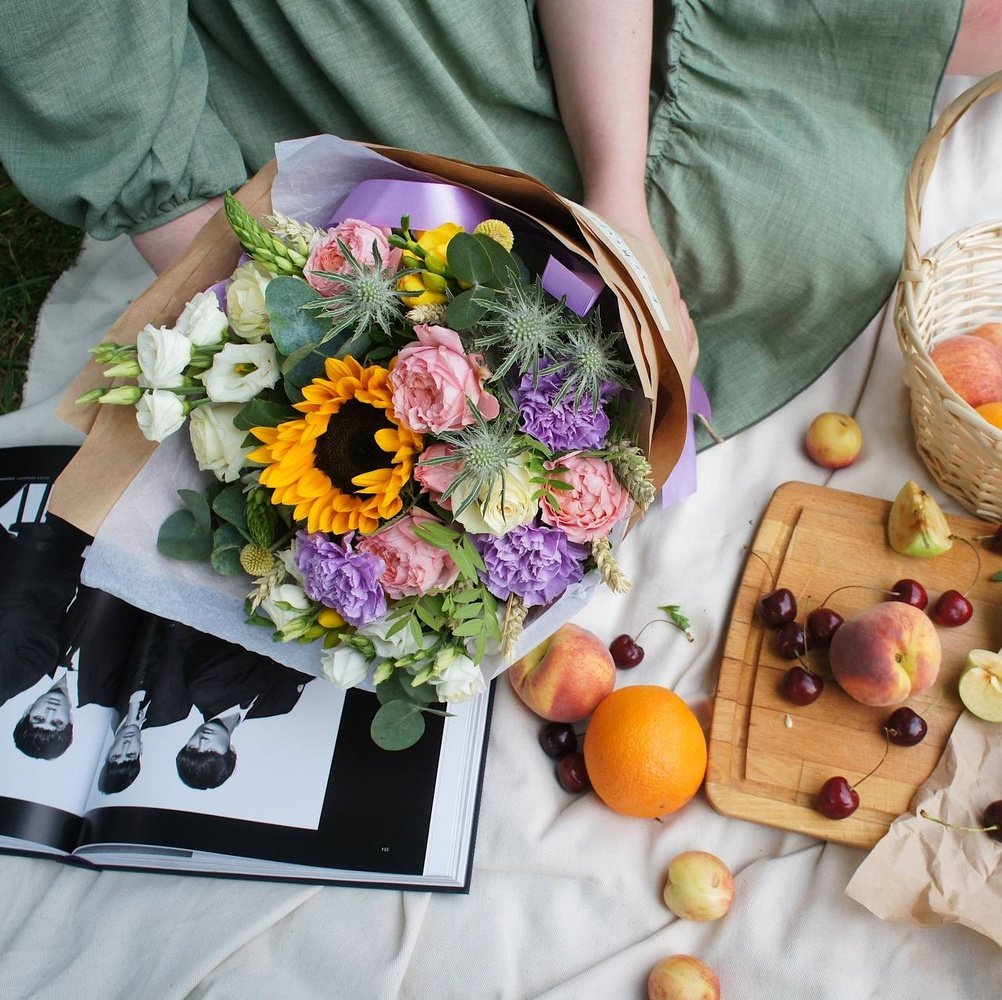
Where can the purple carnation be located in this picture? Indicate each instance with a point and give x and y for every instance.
(340, 578)
(533, 561)
(560, 426)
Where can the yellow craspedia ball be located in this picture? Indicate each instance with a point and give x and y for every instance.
(498, 231)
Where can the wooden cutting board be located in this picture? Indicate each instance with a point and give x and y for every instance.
(767, 757)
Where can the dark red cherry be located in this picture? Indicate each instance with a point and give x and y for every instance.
(778, 608)
(911, 592)
(993, 817)
(572, 774)
(558, 739)
(626, 652)
(952, 609)
(801, 686)
(821, 625)
(905, 727)
(837, 799)
(790, 641)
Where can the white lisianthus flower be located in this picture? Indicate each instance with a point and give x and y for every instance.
(159, 413)
(240, 371)
(245, 302)
(287, 606)
(392, 647)
(202, 321)
(456, 677)
(344, 666)
(510, 501)
(288, 559)
(162, 354)
(216, 442)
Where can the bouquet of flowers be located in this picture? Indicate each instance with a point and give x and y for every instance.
(422, 427)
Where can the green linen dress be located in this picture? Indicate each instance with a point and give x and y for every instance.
(781, 134)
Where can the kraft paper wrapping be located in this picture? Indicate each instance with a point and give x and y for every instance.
(924, 873)
(120, 488)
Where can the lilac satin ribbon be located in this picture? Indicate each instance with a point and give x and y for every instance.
(682, 480)
(428, 203)
(581, 288)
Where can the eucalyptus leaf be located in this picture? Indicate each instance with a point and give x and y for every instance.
(231, 506)
(182, 537)
(198, 505)
(397, 725)
(504, 266)
(292, 326)
(469, 259)
(263, 413)
(226, 545)
(392, 689)
(466, 309)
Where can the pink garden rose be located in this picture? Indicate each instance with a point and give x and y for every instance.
(436, 479)
(358, 237)
(432, 380)
(593, 505)
(412, 565)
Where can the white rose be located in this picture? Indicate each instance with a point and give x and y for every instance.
(245, 302)
(162, 354)
(496, 511)
(216, 442)
(202, 321)
(227, 381)
(392, 647)
(457, 677)
(286, 605)
(344, 666)
(159, 413)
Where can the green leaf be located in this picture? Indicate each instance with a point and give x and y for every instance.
(469, 259)
(231, 506)
(467, 308)
(397, 725)
(292, 327)
(198, 505)
(182, 537)
(392, 689)
(674, 613)
(226, 545)
(996, 577)
(263, 413)
(469, 628)
(435, 533)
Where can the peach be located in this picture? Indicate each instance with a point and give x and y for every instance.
(833, 440)
(699, 886)
(885, 654)
(992, 332)
(682, 977)
(971, 366)
(565, 677)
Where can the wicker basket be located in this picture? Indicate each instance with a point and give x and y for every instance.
(952, 289)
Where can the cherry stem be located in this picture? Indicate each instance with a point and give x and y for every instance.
(762, 559)
(887, 746)
(953, 826)
(859, 586)
(977, 556)
(666, 621)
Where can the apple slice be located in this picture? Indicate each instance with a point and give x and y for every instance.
(916, 526)
(980, 685)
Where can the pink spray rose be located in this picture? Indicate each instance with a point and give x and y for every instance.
(592, 506)
(436, 479)
(412, 565)
(358, 237)
(432, 380)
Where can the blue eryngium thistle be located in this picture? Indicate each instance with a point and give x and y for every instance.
(589, 363)
(523, 327)
(367, 298)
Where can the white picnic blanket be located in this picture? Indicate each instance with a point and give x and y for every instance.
(566, 895)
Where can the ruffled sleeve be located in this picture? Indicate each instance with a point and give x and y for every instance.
(104, 118)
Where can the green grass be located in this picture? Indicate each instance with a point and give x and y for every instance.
(34, 251)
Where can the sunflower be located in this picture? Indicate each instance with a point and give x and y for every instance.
(343, 464)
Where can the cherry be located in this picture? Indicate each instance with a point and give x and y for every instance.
(905, 727)
(991, 821)
(952, 609)
(790, 641)
(822, 623)
(911, 592)
(778, 607)
(837, 798)
(993, 542)
(558, 739)
(626, 652)
(572, 773)
(801, 686)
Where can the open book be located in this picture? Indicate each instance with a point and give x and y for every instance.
(137, 742)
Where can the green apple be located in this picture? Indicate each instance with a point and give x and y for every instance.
(980, 685)
(916, 526)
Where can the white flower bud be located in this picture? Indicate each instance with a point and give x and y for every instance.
(159, 413)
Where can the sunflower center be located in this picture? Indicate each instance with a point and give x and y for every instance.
(348, 447)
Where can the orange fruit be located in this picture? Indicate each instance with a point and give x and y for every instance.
(992, 412)
(644, 751)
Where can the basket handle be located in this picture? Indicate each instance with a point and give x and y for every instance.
(925, 160)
